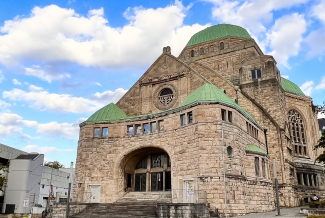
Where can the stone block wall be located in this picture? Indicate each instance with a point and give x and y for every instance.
(182, 210)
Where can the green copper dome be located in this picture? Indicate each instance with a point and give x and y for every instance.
(108, 113)
(216, 32)
(289, 86)
(209, 93)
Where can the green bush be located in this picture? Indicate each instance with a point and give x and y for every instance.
(317, 204)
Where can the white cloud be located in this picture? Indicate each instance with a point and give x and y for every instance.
(35, 88)
(98, 84)
(12, 124)
(1, 77)
(43, 100)
(46, 76)
(318, 11)
(307, 87)
(285, 37)
(43, 150)
(4, 105)
(252, 14)
(285, 76)
(321, 85)
(109, 96)
(55, 34)
(16, 82)
(316, 41)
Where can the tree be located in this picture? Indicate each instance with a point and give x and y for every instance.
(54, 164)
(3, 176)
(321, 142)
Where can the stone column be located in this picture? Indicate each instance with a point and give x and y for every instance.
(307, 180)
(148, 179)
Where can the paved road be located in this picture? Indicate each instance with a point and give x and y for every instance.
(285, 212)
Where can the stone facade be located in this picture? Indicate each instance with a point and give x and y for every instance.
(208, 146)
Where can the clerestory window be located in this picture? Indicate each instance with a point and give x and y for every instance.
(222, 46)
(256, 74)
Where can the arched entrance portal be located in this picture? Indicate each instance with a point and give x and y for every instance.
(149, 170)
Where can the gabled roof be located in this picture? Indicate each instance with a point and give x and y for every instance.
(110, 112)
(254, 148)
(290, 87)
(216, 32)
(209, 93)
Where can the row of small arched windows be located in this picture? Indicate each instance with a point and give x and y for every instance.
(222, 46)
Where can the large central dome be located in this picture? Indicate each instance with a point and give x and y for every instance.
(216, 32)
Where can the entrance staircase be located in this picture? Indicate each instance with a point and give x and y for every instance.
(133, 204)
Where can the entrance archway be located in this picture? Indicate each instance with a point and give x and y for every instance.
(148, 170)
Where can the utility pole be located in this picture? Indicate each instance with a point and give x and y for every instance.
(276, 187)
(48, 199)
(69, 190)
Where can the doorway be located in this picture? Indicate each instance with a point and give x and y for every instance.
(157, 183)
(140, 182)
(10, 209)
(95, 193)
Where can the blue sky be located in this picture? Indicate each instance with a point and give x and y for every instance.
(60, 61)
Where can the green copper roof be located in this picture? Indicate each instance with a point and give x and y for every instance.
(209, 93)
(216, 32)
(289, 86)
(108, 113)
(254, 148)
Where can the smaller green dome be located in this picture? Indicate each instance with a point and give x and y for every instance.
(209, 93)
(218, 31)
(291, 87)
(254, 148)
(108, 113)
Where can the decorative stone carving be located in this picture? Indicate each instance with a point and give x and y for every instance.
(167, 101)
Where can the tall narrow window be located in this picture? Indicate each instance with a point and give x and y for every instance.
(190, 117)
(222, 46)
(183, 120)
(138, 129)
(160, 125)
(202, 51)
(145, 128)
(223, 114)
(253, 74)
(230, 116)
(296, 149)
(315, 179)
(229, 151)
(300, 150)
(96, 132)
(263, 168)
(192, 53)
(157, 160)
(211, 48)
(227, 64)
(130, 130)
(257, 166)
(105, 132)
(305, 151)
(259, 74)
(153, 127)
(299, 179)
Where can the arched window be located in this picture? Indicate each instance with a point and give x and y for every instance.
(298, 134)
(166, 96)
(192, 53)
(201, 51)
(229, 151)
(222, 46)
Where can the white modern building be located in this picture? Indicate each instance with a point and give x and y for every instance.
(7, 153)
(30, 184)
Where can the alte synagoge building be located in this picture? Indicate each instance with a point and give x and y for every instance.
(205, 125)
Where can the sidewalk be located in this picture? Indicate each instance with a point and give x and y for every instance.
(285, 212)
